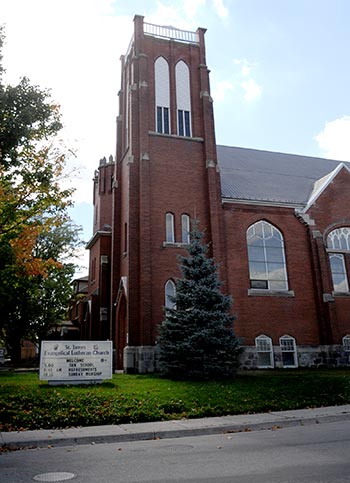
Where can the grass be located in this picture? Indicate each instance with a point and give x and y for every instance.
(27, 403)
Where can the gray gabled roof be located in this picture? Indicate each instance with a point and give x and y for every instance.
(250, 174)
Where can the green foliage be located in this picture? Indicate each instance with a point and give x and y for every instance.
(27, 115)
(2, 39)
(27, 403)
(196, 338)
(53, 291)
(35, 230)
(32, 304)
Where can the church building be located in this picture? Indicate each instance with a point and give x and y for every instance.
(278, 224)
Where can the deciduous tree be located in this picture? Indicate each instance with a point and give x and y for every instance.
(35, 231)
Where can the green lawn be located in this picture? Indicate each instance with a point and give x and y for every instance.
(27, 403)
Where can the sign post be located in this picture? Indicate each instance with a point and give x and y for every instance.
(75, 362)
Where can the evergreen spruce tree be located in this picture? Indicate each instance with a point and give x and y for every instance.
(196, 338)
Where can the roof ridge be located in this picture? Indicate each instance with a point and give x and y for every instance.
(283, 153)
(253, 174)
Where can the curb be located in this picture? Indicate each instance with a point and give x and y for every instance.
(172, 429)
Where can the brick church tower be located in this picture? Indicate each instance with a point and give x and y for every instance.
(165, 175)
(278, 224)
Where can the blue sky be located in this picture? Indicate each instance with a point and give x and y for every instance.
(280, 73)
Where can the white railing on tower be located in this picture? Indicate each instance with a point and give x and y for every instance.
(166, 32)
(169, 32)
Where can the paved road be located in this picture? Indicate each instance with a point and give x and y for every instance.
(318, 453)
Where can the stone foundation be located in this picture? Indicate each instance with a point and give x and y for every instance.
(139, 359)
(330, 356)
(143, 359)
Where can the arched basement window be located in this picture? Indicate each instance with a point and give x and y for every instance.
(267, 264)
(346, 343)
(264, 350)
(289, 351)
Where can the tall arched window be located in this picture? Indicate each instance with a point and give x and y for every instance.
(185, 228)
(183, 99)
(161, 74)
(267, 264)
(169, 228)
(338, 243)
(170, 291)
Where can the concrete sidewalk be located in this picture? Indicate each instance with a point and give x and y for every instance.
(173, 429)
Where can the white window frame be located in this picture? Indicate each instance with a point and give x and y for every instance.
(337, 236)
(183, 99)
(338, 244)
(162, 96)
(169, 228)
(163, 127)
(346, 343)
(263, 345)
(340, 256)
(268, 283)
(288, 346)
(169, 290)
(183, 127)
(185, 228)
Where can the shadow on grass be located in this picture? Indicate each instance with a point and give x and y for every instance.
(45, 386)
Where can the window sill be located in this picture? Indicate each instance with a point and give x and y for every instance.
(176, 136)
(258, 292)
(341, 294)
(175, 245)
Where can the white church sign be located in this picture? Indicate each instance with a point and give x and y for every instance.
(75, 362)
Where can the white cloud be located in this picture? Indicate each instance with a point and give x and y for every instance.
(221, 89)
(221, 10)
(168, 15)
(73, 48)
(242, 81)
(252, 90)
(184, 14)
(246, 67)
(334, 139)
(191, 8)
(179, 15)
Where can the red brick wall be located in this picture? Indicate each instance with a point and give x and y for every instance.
(330, 211)
(103, 197)
(178, 186)
(158, 174)
(271, 315)
(99, 286)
